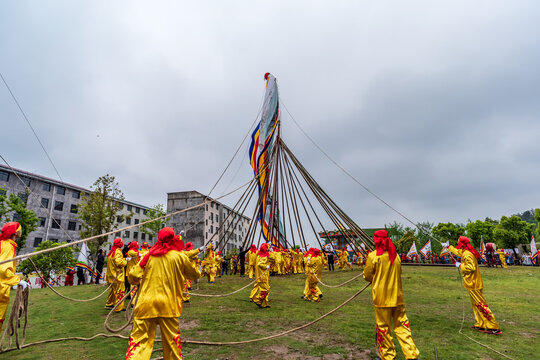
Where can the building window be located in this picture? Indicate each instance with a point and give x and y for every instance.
(217, 218)
(80, 227)
(206, 236)
(61, 190)
(58, 205)
(45, 203)
(4, 176)
(56, 223)
(149, 237)
(126, 234)
(128, 221)
(206, 207)
(212, 216)
(136, 221)
(217, 206)
(206, 222)
(118, 219)
(135, 235)
(46, 187)
(117, 234)
(74, 209)
(37, 241)
(143, 236)
(129, 208)
(16, 217)
(42, 221)
(144, 212)
(72, 225)
(137, 210)
(23, 196)
(26, 181)
(211, 229)
(212, 205)
(76, 194)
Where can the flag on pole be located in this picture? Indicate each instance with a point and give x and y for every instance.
(426, 248)
(534, 252)
(483, 249)
(412, 251)
(444, 251)
(82, 260)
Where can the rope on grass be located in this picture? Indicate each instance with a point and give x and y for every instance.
(129, 316)
(19, 310)
(231, 293)
(66, 297)
(336, 286)
(463, 321)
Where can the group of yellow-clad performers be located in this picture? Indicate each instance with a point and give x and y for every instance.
(163, 275)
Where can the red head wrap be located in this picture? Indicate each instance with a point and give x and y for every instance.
(8, 230)
(316, 252)
(134, 246)
(117, 244)
(384, 243)
(263, 252)
(189, 246)
(297, 250)
(253, 248)
(219, 252)
(166, 242)
(465, 244)
(145, 245)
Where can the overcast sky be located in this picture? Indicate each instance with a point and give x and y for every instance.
(434, 106)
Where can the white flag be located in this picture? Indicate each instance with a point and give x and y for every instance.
(426, 248)
(83, 255)
(533, 246)
(412, 251)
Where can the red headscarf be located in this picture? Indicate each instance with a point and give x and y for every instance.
(166, 242)
(179, 242)
(465, 243)
(263, 252)
(219, 252)
(384, 243)
(297, 250)
(117, 244)
(145, 245)
(189, 246)
(253, 248)
(134, 246)
(309, 252)
(316, 252)
(8, 231)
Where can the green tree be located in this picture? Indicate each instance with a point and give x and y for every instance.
(153, 228)
(52, 261)
(423, 233)
(404, 244)
(512, 231)
(481, 229)
(537, 218)
(449, 232)
(13, 208)
(99, 210)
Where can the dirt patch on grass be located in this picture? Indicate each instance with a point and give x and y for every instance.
(188, 324)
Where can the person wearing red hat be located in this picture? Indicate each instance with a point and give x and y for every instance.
(8, 248)
(313, 274)
(161, 275)
(343, 259)
(209, 264)
(115, 275)
(144, 249)
(192, 254)
(132, 258)
(261, 289)
(252, 261)
(383, 271)
(219, 260)
(472, 281)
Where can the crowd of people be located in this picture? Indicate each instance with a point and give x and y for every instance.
(164, 274)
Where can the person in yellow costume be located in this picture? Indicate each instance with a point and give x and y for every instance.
(144, 249)
(252, 261)
(219, 260)
(8, 248)
(359, 259)
(344, 259)
(500, 252)
(472, 281)
(313, 275)
(115, 275)
(209, 264)
(192, 255)
(161, 275)
(279, 260)
(132, 258)
(383, 271)
(261, 289)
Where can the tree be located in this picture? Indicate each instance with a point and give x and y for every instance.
(404, 244)
(423, 232)
(153, 228)
(99, 210)
(52, 261)
(449, 232)
(512, 231)
(481, 229)
(13, 208)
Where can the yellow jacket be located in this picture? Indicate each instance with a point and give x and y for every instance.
(7, 270)
(260, 269)
(161, 284)
(252, 258)
(134, 255)
(314, 268)
(469, 269)
(385, 279)
(115, 266)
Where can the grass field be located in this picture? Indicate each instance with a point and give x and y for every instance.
(433, 298)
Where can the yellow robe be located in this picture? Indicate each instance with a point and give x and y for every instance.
(389, 306)
(160, 302)
(472, 281)
(209, 264)
(314, 273)
(115, 266)
(343, 260)
(252, 262)
(7, 276)
(502, 258)
(134, 255)
(192, 256)
(261, 289)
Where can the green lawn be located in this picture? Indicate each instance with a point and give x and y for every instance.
(433, 298)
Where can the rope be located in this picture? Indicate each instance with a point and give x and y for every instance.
(336, 286)
(18, 311)
(232, 293)
(66, 297)
(129, 316)
(463, 321)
